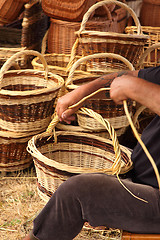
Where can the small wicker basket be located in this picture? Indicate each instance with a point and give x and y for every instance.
(69, 153)
(127, 45)
(27, 96)
(106, 107)
(153, 56)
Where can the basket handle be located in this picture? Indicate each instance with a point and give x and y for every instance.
(69, 81)
(146, 52)
(102, 3)
(116, 167)
(10, 61)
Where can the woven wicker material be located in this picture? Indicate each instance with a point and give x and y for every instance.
(153, 54)
(67, 10)
(62, 36)
(106, 107)
(127, 45)
(149, 14)
(13, 153)
(27, 96)
(74, 153)
(10, 10)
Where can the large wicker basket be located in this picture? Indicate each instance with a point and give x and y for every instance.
(73, 153)
(27, 96)
(127, 45)
(153, 57)
(106, 107)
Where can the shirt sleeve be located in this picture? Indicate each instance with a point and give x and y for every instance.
(151, 74)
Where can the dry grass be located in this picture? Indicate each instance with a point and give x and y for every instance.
(20, 203)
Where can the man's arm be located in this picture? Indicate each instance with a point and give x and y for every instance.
(76, 95)
(138, 89)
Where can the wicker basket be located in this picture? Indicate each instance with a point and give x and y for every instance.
(61, 36)
(153, 55)
(10, 10)
(28, 35)
(127, 45)
(13, 153)
(74, 153)
(106, 107)
(27, 96)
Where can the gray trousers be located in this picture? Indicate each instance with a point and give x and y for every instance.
(102, 201)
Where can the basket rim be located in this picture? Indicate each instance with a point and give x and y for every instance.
(32, 149)
(50, 84)
(111, 34)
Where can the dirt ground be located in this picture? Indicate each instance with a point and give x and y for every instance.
(20, 203)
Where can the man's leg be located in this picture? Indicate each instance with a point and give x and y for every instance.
(100, 200)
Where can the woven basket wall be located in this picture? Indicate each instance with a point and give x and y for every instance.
(61, 36)
(149, 14)
(13, 153)
(64, 10)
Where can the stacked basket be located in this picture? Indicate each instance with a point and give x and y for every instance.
(26, 106)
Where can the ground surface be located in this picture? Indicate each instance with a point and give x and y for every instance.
(19, 204)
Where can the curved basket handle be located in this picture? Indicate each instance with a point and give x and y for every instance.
(69, 80)
(116, 167)
(102, 3)
(12, 59)
(146, 52)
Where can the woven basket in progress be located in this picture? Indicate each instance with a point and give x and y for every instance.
(73, 153)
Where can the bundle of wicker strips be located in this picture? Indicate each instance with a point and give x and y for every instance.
(26, 105)
(129, 46)
(66, 153)
(106, 107)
